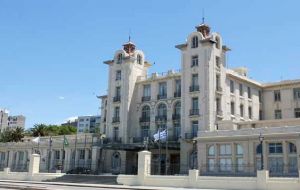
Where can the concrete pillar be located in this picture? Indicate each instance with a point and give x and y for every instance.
(298, 154)
(34, 164)
(233, 158)
(285, 157)
(252, 156)
(94, 158)
(144, 166)
(246, 155)
(193, 177)
(265, 153)
(262, 179)
(86, 156)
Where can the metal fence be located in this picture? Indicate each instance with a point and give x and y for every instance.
(19, 167)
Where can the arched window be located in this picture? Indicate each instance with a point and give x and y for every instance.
(211, 150)
(218, 42)
(195, 42)
(139, 59)
(120, 58)
(177, 109)
(162, 110)
(146, 112)
(116, 161)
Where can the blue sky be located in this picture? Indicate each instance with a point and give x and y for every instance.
(51, 51)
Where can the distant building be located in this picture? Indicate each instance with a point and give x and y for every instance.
(10, 121)
(71, 122)
(88, 124)
(16, 121)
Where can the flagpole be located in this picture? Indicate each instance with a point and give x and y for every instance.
(166, 161)
(49, 156)
(159, 147)
(39, 145)
(63, 154)
(75, 150)
(84, 149)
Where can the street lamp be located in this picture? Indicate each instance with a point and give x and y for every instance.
(194, 153)
(261, 139)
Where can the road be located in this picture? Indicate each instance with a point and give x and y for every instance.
(14, 185)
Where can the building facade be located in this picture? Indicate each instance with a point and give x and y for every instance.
(11, 122)
(217, 119)
(88, 124)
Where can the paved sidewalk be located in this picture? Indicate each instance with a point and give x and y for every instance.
(12, 184)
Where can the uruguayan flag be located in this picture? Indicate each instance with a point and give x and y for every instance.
(160, 135)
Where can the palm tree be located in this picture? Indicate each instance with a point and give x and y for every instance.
(39, 130)
(17, 134)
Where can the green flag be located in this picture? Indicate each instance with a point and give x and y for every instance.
(66, 143)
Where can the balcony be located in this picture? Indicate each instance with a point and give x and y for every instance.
(190, 136)
(162, 96)
(177, 94)
(194, 88)
(161, 118)
(146, 98)
(176, 117)
(117, 99)
(144, 119)
(116, 120)
(194, 112)
(114, 140)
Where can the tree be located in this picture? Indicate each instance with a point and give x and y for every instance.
(12, 135)
(39, 130)
(52, 130)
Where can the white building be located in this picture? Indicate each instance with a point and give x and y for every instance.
(7, 121)
(88, 124)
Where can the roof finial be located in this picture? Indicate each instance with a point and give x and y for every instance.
(129, 36)
(203, 17)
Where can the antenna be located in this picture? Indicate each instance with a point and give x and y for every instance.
(203, 16)
(129, 35)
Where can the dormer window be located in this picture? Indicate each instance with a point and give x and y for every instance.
(120, 58)
(195, 42)
(139, 59)
(217, 42)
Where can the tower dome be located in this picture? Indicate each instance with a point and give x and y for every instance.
(129, 47)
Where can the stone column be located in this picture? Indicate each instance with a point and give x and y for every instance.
(298, 154)
(252, 156)
(34, 164)
(217, 147)
(94, 158)
(86, 156)
(262, 179)
(144, 166)
(233, 158)
(285, 157)
(265, 153)
(246, 155)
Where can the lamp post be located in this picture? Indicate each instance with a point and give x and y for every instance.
(194, 153)
(261, 139)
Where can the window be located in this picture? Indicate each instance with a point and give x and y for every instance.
(277, 96)
(217, 42)
(177, 131)
(116, 161)
(195, 42)
(146, 112)
(145, 131)
(249, 92)
(194, 128)
(195, 80)
(218, 63)
(194, 61)
(177, 108)
(239, 149)
(162, 89)
(231, 86)
(118, 75)
(115, 133)
(118, 91)
(162, 110)
(225, 149)
(218, 105)
(178, 86)
(242, 110)
(232, 108)
(147, 90)
(292, 148)
(81, 154)
(259, 96)
(117, 112)
(225, 164)
(211, 150)
(195, 103)
(278, 114)
(258, 149)
(120, 58)
(89, 154)
(139, 59)
(260, 115)
(241, 90)
(250, 112)
(2, 156)
(297, 93)
(297, 112)
(275, 148)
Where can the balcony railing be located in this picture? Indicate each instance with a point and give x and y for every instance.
(177, 94)
(117, 99)
(146, 98)
(194, 112)
(112, 140)
(176, 117)
(116, 119)
(145, 119)
(162, 96)
(161, 118)
(194, 88)
(190, 136)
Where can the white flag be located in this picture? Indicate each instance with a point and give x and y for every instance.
(160, 135)
(36, 140)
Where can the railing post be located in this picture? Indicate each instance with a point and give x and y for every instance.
(34, 164)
